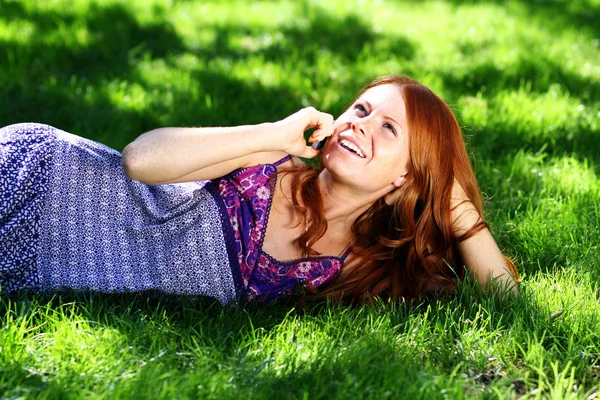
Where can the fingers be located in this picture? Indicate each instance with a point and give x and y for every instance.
(309, 152)
(320, 120)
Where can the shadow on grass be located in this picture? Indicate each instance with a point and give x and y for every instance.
(346, 37)
(115, 38)
(360, 360)
(48, 77)
(57, 79)
(534, 71)
(539, 76)
(554, 14)
(499, 140)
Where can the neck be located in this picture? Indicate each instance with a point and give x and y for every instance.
(342, 203)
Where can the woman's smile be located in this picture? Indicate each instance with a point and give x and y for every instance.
(350, 145)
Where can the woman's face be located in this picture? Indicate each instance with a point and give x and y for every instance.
(369, 145)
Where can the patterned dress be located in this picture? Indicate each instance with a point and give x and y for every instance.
(71, 219)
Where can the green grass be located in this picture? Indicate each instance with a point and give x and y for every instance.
(524, 80)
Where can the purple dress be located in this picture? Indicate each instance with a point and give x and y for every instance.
(247, 194)
(71, 219)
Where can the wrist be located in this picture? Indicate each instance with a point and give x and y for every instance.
(268, 137)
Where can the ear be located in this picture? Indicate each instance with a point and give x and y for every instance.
(391, 197)
(399, 181)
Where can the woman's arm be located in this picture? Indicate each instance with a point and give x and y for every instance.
(480, 253)
(172, 155)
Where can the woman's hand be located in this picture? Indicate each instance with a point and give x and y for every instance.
(291, 130)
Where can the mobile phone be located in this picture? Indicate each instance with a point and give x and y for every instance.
(319, 145)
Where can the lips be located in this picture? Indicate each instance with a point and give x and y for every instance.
(352, 145)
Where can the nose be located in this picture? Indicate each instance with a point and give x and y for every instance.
(358, 126)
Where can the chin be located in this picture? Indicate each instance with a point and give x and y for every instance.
(337, 156)
(343, 169)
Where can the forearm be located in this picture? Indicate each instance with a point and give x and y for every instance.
(481, 255)
(165, 154)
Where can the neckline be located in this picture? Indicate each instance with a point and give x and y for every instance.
(300, 260)
(266, 223)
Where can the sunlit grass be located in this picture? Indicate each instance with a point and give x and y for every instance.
(524, 80)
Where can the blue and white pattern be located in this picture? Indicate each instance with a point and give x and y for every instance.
(24, 160)
(83, 224)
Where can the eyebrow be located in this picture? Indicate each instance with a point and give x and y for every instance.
(386, 117)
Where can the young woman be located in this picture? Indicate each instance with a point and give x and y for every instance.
(394, 209)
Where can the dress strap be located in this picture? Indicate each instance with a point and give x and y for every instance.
(284, 159)
(346, 253)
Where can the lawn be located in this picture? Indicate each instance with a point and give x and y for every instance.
(523, 78)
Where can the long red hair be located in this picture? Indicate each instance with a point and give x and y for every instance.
(407, 248)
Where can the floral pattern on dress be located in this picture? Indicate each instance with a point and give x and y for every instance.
(247, 194)
(272, 278)
(247, 211)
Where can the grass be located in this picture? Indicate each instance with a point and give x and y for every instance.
(524, 80)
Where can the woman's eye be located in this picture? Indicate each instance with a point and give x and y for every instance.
(360, 108)
(390, 127)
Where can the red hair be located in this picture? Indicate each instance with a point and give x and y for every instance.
(407, 248)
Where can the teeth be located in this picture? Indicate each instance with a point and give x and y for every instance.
(349, 145)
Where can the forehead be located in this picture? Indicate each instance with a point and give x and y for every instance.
(387, 99)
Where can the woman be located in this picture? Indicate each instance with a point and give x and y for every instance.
(393, 211)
